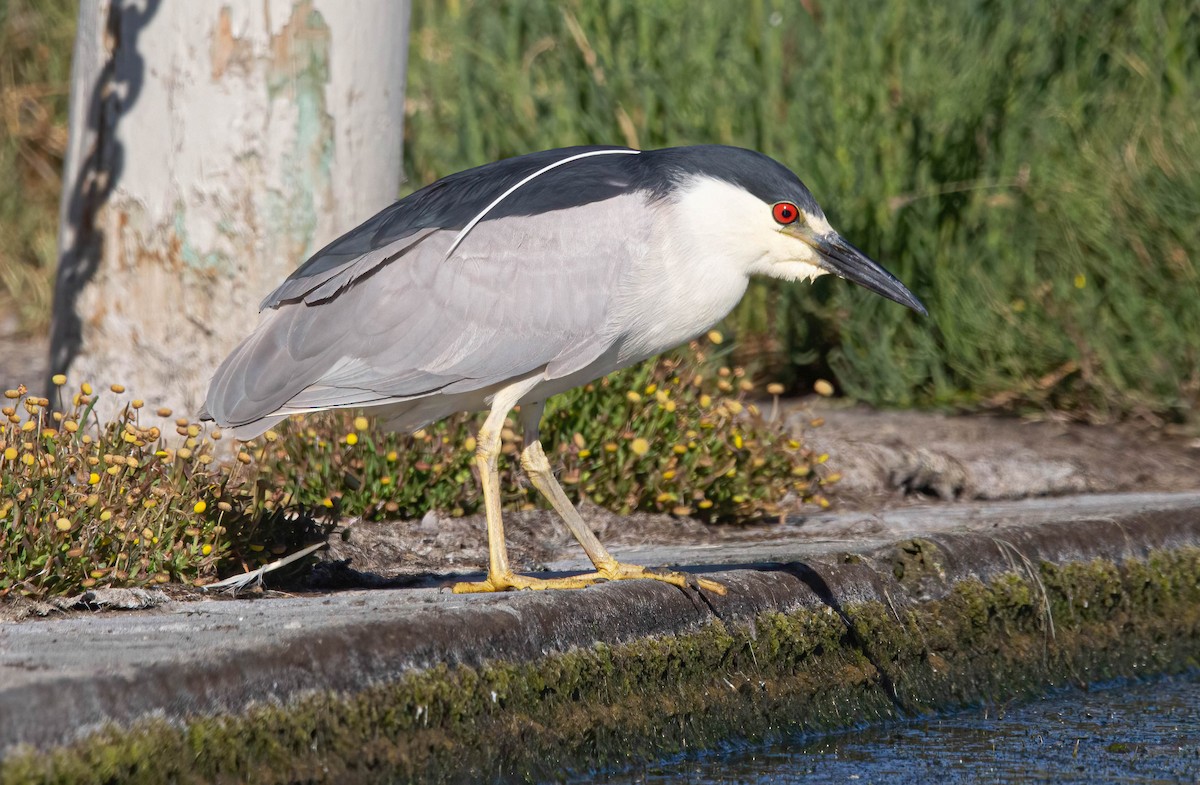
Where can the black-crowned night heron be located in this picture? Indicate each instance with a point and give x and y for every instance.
(506, 284)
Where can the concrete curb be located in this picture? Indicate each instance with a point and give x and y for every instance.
(413, 685)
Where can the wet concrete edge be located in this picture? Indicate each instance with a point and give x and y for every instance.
(538, 685)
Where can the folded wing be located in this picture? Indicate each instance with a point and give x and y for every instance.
(520, 294)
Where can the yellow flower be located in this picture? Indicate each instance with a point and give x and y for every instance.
(352, 439)
(705, 401)
(393, 456)
(1080, 281)
(715, 337)
(640, 446)
(360, 423)
(205, 549)
(10, 453)
(633, 397)
(59, 379)
(63, 525)
(775, 388)
(93, 478)
(823, 388)
(585, 453)
(199, 507)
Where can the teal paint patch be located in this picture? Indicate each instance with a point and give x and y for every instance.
(189, 254)
(299, 74)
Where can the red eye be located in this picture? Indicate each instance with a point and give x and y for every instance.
(785, 212)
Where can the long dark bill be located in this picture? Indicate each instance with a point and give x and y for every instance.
(845, 261)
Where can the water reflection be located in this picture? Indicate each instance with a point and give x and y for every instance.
(1145, 732)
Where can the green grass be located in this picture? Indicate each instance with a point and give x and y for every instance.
(36, 37)
(1029, 169)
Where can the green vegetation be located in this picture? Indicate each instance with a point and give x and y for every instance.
(1028, 169)
(36, 37)
(88, 504)
(671, 436)
(85, 504)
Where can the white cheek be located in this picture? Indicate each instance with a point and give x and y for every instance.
(788, 258)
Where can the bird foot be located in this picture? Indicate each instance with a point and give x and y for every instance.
(619, 571)
(507, 581)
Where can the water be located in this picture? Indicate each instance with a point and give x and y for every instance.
(1144, 732)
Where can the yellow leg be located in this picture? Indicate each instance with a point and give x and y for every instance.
(535, 464)
(487, 455)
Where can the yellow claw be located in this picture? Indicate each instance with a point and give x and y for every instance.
(511, 580)
(619, 571)
(615, 571)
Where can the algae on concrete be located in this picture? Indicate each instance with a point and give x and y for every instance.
(815, 667)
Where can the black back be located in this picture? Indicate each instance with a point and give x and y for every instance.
(453, 201)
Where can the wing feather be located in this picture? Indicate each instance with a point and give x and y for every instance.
(518, 295)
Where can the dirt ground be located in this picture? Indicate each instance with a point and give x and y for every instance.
(886, 459)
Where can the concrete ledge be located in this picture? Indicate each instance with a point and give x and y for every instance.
(421, 685)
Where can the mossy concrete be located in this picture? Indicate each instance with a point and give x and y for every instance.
(537, 686)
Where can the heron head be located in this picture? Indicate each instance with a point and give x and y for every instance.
(758, 214)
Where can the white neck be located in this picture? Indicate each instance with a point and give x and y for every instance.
(711, 236)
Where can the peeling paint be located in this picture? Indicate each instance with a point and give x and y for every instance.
(227, 50)
(299, 72)
(189, 254)
(221, 176)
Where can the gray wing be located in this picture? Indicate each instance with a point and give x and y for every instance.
(520, 294)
